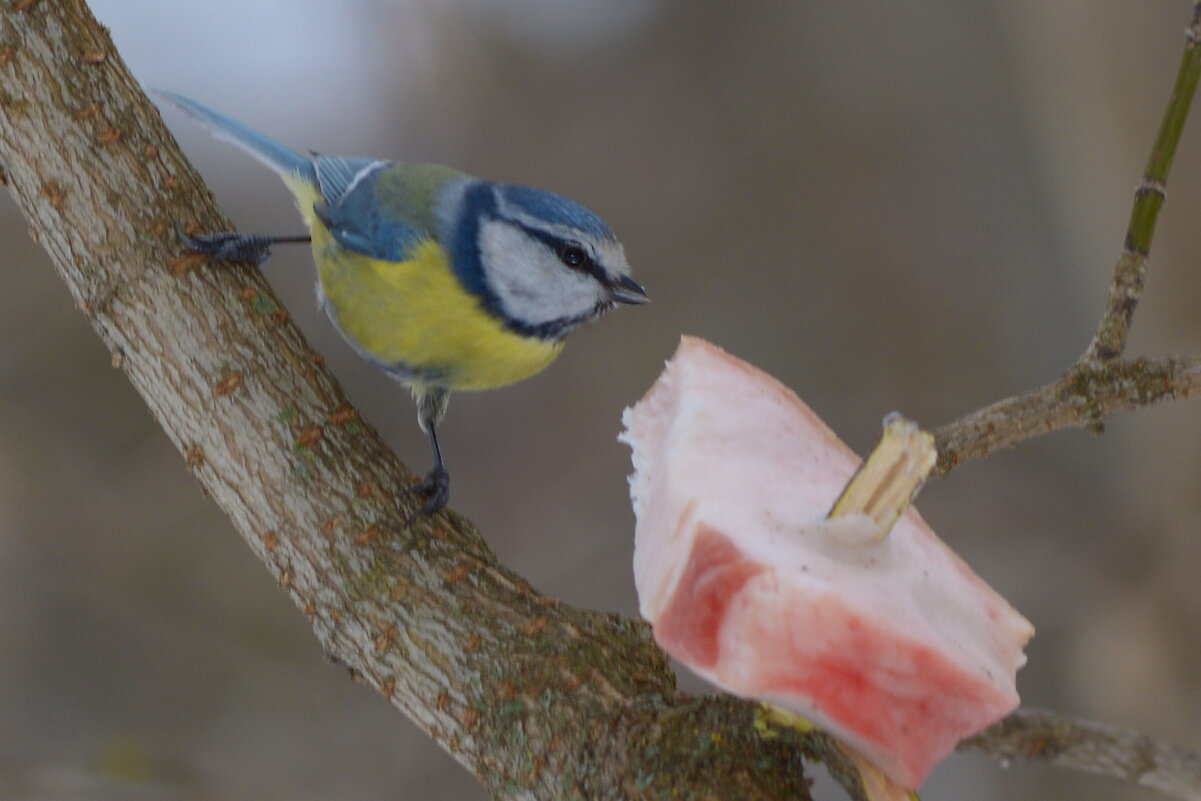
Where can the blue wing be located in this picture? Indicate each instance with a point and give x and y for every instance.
(336, 174)
(349, 205)
(352, 210)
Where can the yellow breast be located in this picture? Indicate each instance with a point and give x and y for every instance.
(416, 316)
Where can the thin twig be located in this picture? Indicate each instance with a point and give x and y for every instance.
(1048, 737)
(1081, 398)
(1130, 273)
(1100, 383)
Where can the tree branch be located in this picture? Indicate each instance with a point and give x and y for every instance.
(540, 700)
(1084, 396)
(1048, 737)
(1099, 384)
(1131, 270)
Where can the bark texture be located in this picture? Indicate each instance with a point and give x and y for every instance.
(1083, 745)
(540, 700)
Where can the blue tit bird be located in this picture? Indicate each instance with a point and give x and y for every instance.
(445, 281)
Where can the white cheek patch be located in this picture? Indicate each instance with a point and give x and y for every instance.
(533, 286)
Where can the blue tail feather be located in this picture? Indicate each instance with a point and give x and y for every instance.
(283, 160)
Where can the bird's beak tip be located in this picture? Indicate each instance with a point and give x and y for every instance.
(627, 290)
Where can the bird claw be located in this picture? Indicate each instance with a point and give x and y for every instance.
(436, 489)
(228, 246)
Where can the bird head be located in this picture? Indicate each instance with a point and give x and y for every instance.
(542, 263)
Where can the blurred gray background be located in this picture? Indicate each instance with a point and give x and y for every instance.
(888, 205)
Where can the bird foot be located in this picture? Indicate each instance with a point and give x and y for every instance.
(436, 489)
(229, 246)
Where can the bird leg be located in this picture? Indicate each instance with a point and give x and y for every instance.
(231, 246)
(436, 484)
(431, 406)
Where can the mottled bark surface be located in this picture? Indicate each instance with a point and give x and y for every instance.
(540, 700)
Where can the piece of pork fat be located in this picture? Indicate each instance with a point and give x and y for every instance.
(892, 645)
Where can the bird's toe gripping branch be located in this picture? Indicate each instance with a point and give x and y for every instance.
(235, 247)
(435, 487)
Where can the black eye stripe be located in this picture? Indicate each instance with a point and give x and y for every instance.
(560, 248)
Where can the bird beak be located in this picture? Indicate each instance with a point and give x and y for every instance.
(627, 290)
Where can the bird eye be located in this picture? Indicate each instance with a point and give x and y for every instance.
(572, 254)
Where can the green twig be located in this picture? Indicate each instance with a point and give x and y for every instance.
(1100, 383)
(1131, 270)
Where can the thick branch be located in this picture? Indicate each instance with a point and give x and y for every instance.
(538, 699)
(1048, 737)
